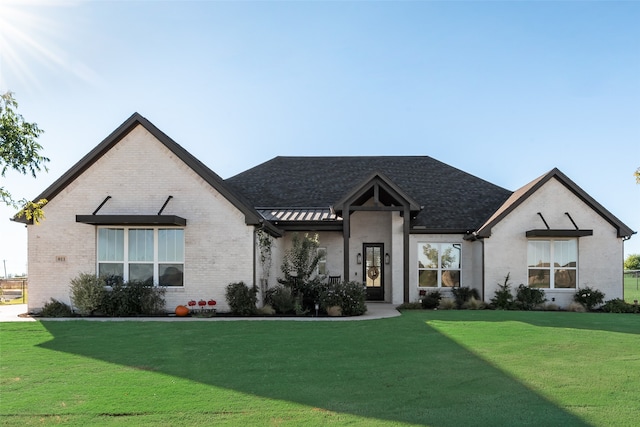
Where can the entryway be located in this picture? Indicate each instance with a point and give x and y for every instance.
(373, 270)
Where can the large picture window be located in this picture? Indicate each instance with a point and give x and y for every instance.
(154, 254)
(439, 265)
(552, 263)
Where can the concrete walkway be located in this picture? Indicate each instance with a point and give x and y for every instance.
(375, 310)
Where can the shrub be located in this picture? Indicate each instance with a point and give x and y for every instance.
(464, 294)
(55, 308)
(132, 298)
(551, 307)
(266, 310)
(410, 306)
(588, 297)
(87, 293)
(241, 299)
(281, 299)
(503, 298)
(431, 300)
(576, 307)
(349, 296)
(474, 304)
(619, 306)
(309, 294)
(447, 304)
(528, 298)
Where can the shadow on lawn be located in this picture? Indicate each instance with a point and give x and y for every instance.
(399, 370)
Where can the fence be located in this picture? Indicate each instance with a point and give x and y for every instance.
(633, 274)
(13, 290)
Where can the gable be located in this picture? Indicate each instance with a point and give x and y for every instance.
(381, 190)
(188, 160)
(521, 195)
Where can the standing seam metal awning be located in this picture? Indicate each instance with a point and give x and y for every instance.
(131, 220)
(298, 214)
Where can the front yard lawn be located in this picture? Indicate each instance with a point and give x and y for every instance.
(437, 368)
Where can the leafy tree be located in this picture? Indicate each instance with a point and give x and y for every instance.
(632, 262)
(19, 151)
(299, 268)
(300, 262)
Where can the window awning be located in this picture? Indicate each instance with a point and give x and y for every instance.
(131, 220)
(559, 233)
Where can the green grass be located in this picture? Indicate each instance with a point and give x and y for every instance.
(432, 368)
(631, 288)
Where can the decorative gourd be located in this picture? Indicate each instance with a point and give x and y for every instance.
(181, 311)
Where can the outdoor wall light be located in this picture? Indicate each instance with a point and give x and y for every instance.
(387, 258)
(359, 258)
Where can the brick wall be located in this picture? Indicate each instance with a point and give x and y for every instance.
(139, 173)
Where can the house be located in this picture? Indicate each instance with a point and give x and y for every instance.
(140, 206)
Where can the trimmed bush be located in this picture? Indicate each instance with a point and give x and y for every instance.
(619, 306)
(349, 296)
(528, 298)
(447, 304)
(281, 299)
(431, 300)
(241, 299)
(133, 298)
(410, 306)
(87, 293)
(464, 294)
(588, 297)
(474, 304)
(55, 308)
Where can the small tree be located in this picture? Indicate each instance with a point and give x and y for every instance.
(299, 262)
(503, 298)
(299, 269)
(19, 151)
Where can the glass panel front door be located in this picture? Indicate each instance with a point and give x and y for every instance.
(373, 271)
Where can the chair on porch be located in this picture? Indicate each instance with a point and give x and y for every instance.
(334, 280)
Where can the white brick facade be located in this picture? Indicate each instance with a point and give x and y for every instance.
(139, 167)
(139, 173)
(600, 256)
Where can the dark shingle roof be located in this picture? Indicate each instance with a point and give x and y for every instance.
(451, 199)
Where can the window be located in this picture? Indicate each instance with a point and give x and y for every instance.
(155, 254)
(439, 265)
(552, 263)
(321, 268)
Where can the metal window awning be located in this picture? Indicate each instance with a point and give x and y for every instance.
(558, 233)
(131, 220)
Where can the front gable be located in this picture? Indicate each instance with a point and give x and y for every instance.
(143, 134)
(521, 195)
(379, 189)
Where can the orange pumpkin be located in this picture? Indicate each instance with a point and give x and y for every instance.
(181, 311)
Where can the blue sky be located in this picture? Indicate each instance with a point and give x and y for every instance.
(505, 90)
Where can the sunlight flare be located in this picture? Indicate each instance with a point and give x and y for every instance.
(28, 41)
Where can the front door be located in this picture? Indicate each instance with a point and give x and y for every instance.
(373, 271)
